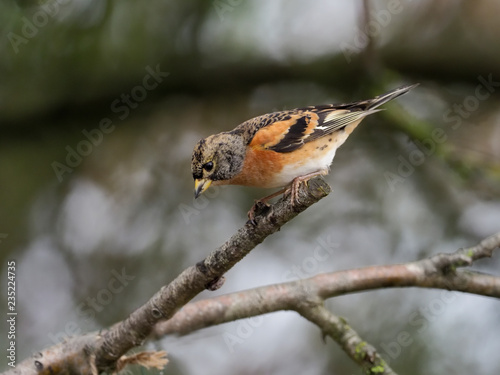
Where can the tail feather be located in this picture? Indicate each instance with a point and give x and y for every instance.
(388, 96)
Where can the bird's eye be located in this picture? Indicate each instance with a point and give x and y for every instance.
(208, 166)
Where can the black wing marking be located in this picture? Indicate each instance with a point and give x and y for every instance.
(249, 128)
(294, 139)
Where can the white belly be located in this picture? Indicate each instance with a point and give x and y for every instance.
(304, 167)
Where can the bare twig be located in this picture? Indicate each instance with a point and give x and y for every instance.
(109, 346)
(93, 353)
(369, 54)
(163, 305)
(361, 352)
(306, 297)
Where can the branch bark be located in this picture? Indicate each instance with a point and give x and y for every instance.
(307, 296)
(110, 345)
(104, 351)
(364, 354)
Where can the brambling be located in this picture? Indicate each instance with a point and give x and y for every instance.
(281, 149)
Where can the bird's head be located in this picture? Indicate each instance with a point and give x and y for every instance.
(216, 159)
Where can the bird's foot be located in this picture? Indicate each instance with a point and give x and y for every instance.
(260, 206)
(295, 186)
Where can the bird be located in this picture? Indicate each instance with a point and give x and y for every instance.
(281, 149)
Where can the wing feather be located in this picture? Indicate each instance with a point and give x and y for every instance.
(337, 120)
(292, 132)
(286, 135)
(287, 131)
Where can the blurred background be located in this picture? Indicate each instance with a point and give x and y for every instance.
(101, 103)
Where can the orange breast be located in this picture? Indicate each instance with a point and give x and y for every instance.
(259, 168)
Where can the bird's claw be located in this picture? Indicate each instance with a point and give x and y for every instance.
(258, 207)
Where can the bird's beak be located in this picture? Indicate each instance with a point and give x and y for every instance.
(200, 186)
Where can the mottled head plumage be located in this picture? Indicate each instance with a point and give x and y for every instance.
(218, 157)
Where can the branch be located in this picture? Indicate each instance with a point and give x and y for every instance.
(68, 357)
(369, 55)
(361, 352)
(109, 346)
(306, 297)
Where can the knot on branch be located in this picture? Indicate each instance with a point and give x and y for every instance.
(215, 283)
(448, 263)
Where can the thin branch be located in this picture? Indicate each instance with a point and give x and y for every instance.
(306, 296)
(369, 55)
(83, 354)
(263, 300)
(361, 352)
(164, 304)
(109, 346)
